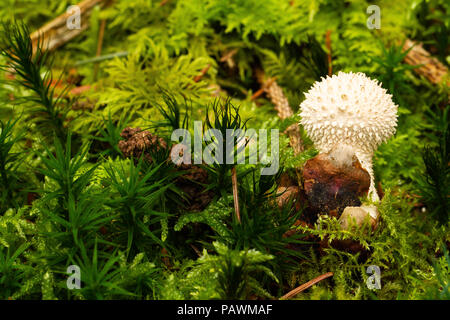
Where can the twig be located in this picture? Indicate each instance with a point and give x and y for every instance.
(228, 55)
(79, 90)
(305, 286)
(202, 73)
(235, 193)
(196, 250)
(101, 34)
(328, 44)
(263, 89)
(102, 58)
(56, 33)
(165, 258)
(163, 3)
(228, 58)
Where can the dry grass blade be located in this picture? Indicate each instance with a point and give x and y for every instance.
(305, 286)
(101, 34)
(328, 44)
(202, 73)
(235, 193)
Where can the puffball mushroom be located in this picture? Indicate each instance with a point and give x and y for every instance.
(349, 109)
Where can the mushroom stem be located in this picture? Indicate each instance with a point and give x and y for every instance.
(366, 162)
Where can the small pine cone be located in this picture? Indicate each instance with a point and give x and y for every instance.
(129, 132)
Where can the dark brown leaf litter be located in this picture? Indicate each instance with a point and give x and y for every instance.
(192, 183)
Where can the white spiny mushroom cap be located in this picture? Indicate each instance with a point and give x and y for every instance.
(350, 109)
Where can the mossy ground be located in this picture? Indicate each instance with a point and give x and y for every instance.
(123, 223)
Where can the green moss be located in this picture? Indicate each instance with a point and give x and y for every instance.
(77, 200)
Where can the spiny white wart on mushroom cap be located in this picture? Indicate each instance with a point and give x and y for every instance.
(349, 109)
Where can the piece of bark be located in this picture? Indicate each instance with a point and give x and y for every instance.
(56, 33)
(334, 181)
(289, 191)
(431, 68)
(291, 194)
